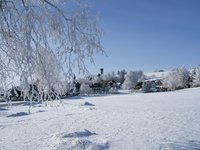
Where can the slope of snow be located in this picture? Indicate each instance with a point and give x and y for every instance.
(169, 120)
(157, 74)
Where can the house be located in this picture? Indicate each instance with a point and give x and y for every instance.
(151, 85)
(102, 86)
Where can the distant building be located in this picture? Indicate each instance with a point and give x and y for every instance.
(152, 85)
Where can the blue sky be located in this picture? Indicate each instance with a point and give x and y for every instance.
(148, 34)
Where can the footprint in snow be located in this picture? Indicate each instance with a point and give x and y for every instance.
(88, 104)
(88, 145)
(78, 141)
(41, 111)
(85, 133)
(83, 144)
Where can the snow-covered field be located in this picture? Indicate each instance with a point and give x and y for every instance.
(154, 121)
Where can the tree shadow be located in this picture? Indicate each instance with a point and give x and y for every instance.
(72, 98)
(19, 114)
(3, 109)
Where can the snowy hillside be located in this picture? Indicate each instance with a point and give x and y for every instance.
(157, 121)
(157, 74)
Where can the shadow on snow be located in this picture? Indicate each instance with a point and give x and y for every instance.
(19, 114)
(181, 145)
(85, 133)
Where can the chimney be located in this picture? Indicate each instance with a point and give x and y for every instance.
(101, 70)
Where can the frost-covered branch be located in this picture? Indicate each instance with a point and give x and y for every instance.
(42, 41)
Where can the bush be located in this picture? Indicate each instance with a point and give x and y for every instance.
(131, 79)
(85, 89)
(196, 76)
(113, 90)
(178, 79)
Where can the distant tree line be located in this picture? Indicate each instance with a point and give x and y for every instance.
(110, 83)
(175, 79)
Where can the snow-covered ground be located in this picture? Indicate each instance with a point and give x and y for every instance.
(156, 121)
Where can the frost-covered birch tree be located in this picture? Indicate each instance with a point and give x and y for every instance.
(41, 41)
(177, 79)
(196, 81)
(131, 79)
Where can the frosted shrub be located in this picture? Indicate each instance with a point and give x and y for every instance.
(113, 90)
(196, 81)
(85, 89)
(131, 79)
(178, 78)
(121, 75)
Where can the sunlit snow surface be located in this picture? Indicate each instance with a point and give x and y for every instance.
(154, 121)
